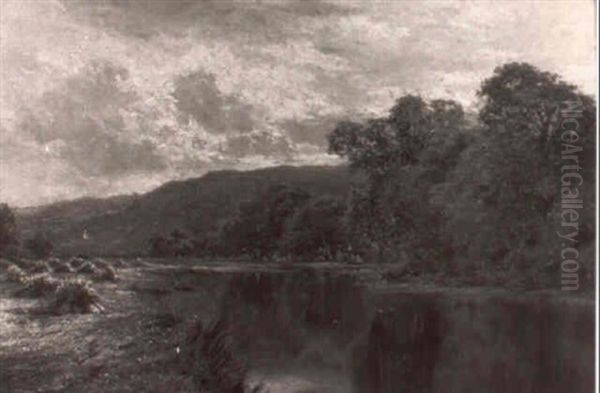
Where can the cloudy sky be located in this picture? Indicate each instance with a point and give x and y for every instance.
(107, 97)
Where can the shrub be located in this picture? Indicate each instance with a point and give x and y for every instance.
(75, 296)
(8, 229)
(40, 245)
(108, 273)
(39, 285)
(16, 274)
(212, 363)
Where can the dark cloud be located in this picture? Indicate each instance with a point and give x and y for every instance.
(259, 143)
(209, 18)
(313, 130)
(83, 119)
(198, 97)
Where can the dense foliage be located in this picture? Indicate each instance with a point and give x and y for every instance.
(40, 245)
(8, 229)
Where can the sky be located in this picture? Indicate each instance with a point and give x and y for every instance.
(113, 97)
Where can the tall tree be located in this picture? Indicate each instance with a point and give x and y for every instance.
(416, 137)
(8, 228)
(502, 200)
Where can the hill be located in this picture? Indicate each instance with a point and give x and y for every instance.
(122, 225)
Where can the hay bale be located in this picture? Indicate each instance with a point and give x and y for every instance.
(53, 262)
(119, 263)
(35, 267)
(106, 274)
(16, 274)
(101, 263)
(63, 268)
(76, 296)
(87, 268)
(39, 285)
(76, 262)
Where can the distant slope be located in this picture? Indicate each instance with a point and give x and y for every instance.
(122, 225)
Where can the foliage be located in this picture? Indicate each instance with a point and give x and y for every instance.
(502, 201)
(177, 244)
(316, 231)
(404, 155)
(8, 228)
(40, 245)
(259, 225)
(211, 360)
(485, 196)
(398, 139)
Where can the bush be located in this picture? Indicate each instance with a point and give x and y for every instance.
(39, 285)
(75, 296)
(16, 274)
(212, 363)
(8, 229)
(107, 273)
(40, 245)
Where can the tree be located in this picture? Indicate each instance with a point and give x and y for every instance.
(316, 230)
(381, 144)
(502, 199)
(259, 225)
(176, 244)
(40, 245)
(417, 137)
(8, 228)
